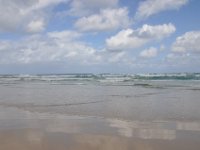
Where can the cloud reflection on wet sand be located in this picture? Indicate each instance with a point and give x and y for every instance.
(32, 139)
(44, 131)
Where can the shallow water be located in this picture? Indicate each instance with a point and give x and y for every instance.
(99, 114)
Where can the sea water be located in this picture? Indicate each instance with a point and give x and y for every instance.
(128, 106)
(144, 96)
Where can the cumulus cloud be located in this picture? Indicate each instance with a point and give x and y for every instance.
(124, 40)
(88, 7)
(129, 38)
(11, 15)
(188, 42)
(32, 15)
(107, 19)
(156, 32)
(150, 7)
(65, 35)
(45, 3)
(47, 48)
(58, 47)
(149, 53)
(22, 16)
(36, 26)
(185, 51)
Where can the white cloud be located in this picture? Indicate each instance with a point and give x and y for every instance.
(58, 47)
(124, 40)
(188, 42)
(149, 53)
(36, 26)
(45, 3)
(151, 7)
(65, 35)
(10, 16)
(107, 19)
(52, 47)
(129, 38)
(156, 32)
(22, 16)
(87, 7)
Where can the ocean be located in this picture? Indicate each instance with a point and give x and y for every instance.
(100, 111)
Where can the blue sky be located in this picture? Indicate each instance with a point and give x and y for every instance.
(98, 36)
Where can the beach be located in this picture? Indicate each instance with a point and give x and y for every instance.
(90, 112)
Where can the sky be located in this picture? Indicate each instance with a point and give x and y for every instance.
(99, 36)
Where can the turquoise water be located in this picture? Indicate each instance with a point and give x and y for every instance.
(100, 77)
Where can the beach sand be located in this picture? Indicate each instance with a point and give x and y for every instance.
(60, 132)
(32, 139)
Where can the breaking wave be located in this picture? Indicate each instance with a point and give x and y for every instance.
(98, 78)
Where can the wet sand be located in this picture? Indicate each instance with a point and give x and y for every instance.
(61, 132)
(30, 139)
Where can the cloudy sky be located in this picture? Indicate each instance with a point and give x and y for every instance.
(98, 36)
